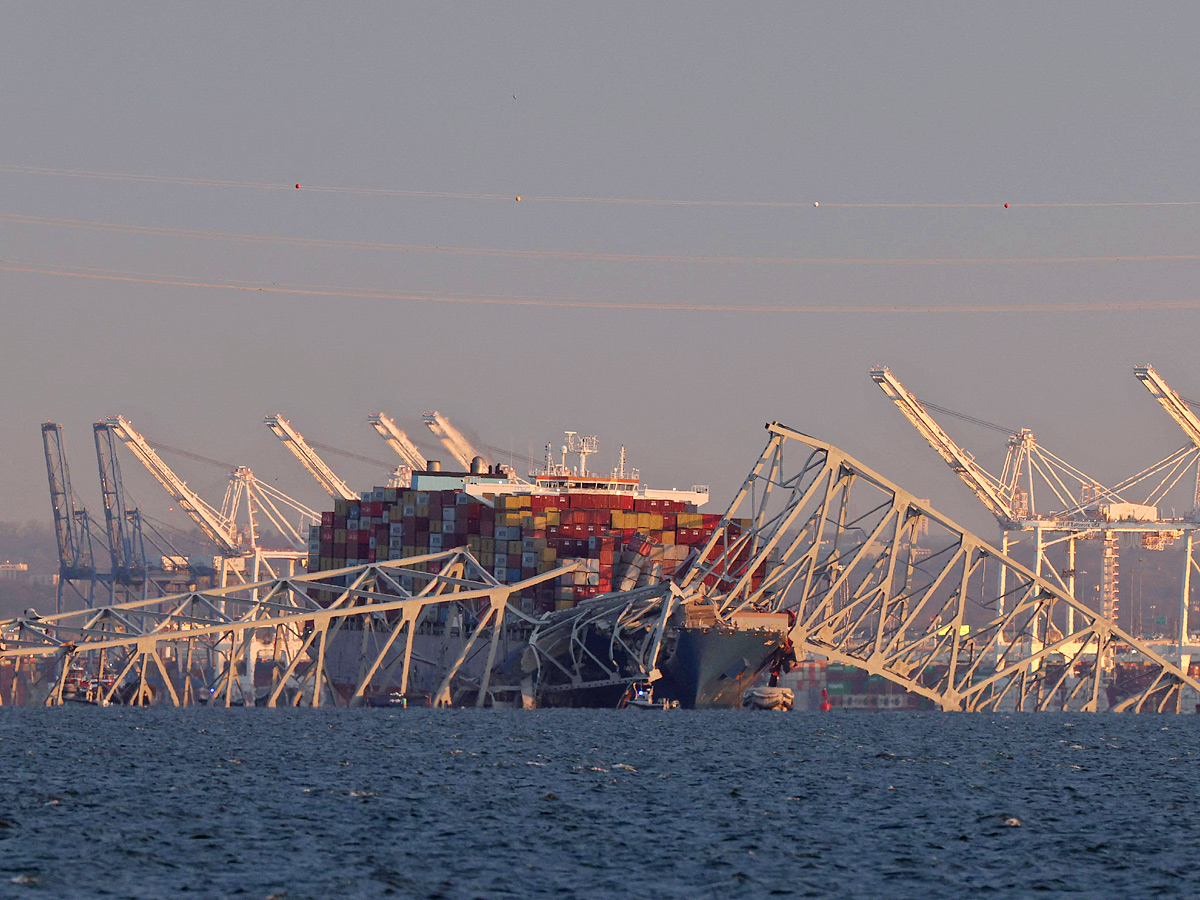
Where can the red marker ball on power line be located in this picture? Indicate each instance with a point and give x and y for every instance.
(298, 188)
(1005, 205)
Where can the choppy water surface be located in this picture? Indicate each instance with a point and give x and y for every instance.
(425, 803)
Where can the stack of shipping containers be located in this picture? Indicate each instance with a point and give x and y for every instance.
(620, 541)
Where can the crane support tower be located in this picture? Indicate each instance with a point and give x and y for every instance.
(122, 525)
(71, 531)
(300, 448)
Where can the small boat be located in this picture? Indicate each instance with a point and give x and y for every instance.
(643, 698)
(779, 698)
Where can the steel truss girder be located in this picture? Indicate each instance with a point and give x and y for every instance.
(876, 578)
(150, 650)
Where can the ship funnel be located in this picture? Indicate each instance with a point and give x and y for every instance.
(435, 465)
(477, 465)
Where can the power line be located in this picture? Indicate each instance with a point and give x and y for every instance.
(571, 255)
(7, 265)
(508, 197)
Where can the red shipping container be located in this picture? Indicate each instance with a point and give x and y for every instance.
(327, 519)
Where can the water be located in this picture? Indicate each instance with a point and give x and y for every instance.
(336, 804)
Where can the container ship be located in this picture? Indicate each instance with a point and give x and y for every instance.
(621, 534)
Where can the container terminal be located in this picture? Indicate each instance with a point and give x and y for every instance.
(574, 588)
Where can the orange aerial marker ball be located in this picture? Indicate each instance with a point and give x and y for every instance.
(518, 199)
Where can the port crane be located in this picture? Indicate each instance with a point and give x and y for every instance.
(1179, 410)
(1083, 502)
(398, 441)
(236, 545)
(76, 561)
(452, 439)
(303, 451)
(123, 526)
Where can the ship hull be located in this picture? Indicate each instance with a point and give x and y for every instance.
(711, 668)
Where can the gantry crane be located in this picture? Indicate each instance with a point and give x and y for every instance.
(76, 561)
(123, 526)
(452, 439)
(400, 442)
(1179, 410)
(235, 545)
(1010, 498)
(303, 451)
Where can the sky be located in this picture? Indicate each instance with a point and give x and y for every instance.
(728, 214)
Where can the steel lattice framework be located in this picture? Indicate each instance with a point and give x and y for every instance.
(876, 578)
(204, 646)
(866, 573)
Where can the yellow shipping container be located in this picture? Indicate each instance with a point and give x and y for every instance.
(514, 548)
(341, 507)
(549, 554)
(422, 510)
(539, 543)
(643, 520)
(656, 522)
(410, 550)
(487, 559)
(668, 537)
(339, 535)
(473, 543)
(487, 545)
(553, 518)
(326, 562)
(435, 526)
(564, 604)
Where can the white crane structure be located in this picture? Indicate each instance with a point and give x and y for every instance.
(1179, 410)
(1084, 508)
(246, 499)
(303, 451)
(452, 439)
(402, 446)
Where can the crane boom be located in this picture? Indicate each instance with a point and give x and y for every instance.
(983, 485)
(452, 439)
(398, 441)
(303, 451)
(215, 527)
(1171, 401)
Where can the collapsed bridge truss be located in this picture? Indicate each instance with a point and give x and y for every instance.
(876, 578)
(440, 615)
(866, 573)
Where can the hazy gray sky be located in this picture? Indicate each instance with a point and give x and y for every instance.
(838, 103)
